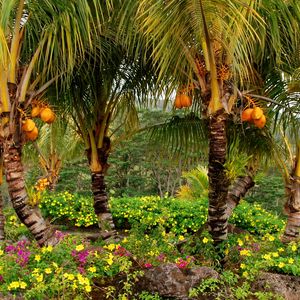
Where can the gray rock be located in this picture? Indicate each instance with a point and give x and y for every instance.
(169, 281)
(282, 285)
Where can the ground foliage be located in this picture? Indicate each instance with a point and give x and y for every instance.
(158, 231)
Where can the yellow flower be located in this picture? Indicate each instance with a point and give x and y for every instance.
(151, 253)
(291, 261)
(88, 288)
(245, 252)
(48, 271)
(110, 247)
(281, 265)
(275, 254)
(39, 277)
(82, 280)
(47, 249)
(110, 259)
(1, 252)
(271, 238)
(205, 240)
(245, 274)
(37, 258)
(240, 242)
(181, 238)
(267, 256)
(280, 250)
(79, 247)
(294, 248)
(23, 285)
(92, 269)
(69, 276)
(243, 266)
(226, 251)
(14, 285)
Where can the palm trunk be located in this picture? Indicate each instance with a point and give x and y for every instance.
(292, 208)
(105, 219)
(218, 181)
(2, 219)
(101, 202)
(30, 216)
(238, 190)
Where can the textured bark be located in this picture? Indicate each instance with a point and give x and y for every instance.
(101, 202)
(218, 181)
(292, 208)
(101, 208)
(2, 219)
(30, 216)
(237, 191)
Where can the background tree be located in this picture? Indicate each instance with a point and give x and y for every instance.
(216, 46)
(109, 92)
(39, 43)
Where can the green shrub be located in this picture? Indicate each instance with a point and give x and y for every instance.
(175, 215)
(74, 208)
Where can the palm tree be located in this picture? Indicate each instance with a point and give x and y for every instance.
(283, 85)
(40, 42)
(57, 144)
(103, 104)
(216, 46)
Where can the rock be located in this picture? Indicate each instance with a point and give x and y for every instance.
(169, 281)
(284, 285)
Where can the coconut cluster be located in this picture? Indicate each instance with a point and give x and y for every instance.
(44, 112)
(182, 100)
(254, 115)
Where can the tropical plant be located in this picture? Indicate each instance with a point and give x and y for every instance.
(283, 85)
(103, 101)
(40, 42)
(57, 144)
(217, 48)
(197, 186)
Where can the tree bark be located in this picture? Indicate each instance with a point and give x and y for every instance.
(101, 207)
(292, 208)
(237, 191)
(2, 219)
(218, 181)
(101, 202)
(30, 216)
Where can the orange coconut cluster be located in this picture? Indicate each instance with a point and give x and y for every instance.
(254, 115)
(182, 100)
(38, 111)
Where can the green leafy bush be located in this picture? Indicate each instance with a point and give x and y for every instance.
(74, 208)
(175, 215)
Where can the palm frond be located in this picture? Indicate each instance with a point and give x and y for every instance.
(182, 134)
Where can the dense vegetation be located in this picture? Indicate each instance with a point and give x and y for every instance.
(141, 135)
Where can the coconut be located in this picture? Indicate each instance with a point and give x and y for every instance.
(247, 115)
(257, 113)
(47, 115)
(35, 111)
(32, 135)
(28, 125)
(261, 122)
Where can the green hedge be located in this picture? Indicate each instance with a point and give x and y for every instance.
(148, 212)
